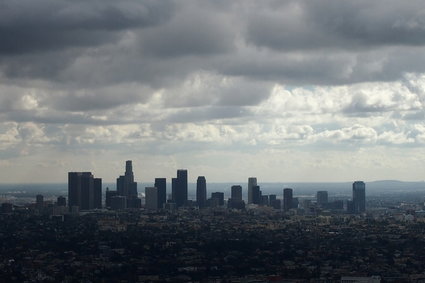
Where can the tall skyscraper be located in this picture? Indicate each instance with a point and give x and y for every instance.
(274, 202)
(322, 197)
(74, 189)
(236, 193)
(235, 200)
(201, 191)
(97, 193)
(179, 188)
(121, 186)
(252, 181)
(87, 192)
(161, 185)
(174, 189)
(359, 197)
(108, 197)
(81, 190)
(129, 169)
(125, 184)
(129, 176)
(287, 199)
(256, 194)
(151, 194)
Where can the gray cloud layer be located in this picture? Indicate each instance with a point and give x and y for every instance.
(28, 27)
(163, 76)
(153, 42)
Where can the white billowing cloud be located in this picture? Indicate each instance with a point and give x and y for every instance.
(419, 130)
(29, 102)
(9, 135)
(200, 133)
(32, 133)
(397, 138)
(354, 134)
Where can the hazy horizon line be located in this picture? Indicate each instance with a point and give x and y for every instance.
(228, 182)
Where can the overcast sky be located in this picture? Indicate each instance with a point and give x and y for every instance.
(323, 90)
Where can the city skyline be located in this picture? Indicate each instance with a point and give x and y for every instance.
(295, 90)
(85, 193)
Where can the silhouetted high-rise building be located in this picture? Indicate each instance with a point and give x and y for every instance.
(121, 186)
(287, 199)
(151, 194)
(274, 202)
(236, 193)
(132, 186)
(129, 168)
(81, 190)
(322, 197)
(359, 197)
(127, 188)
(201, 191)
(256, 194)
(174, 189)
(161, 185)
(125, 184)
(252, 181)
(179, 188)
(97, 194)
(108, 197)
(74, 189)
(235, 200)
(87, 192)
(118, 202)
(219, 196)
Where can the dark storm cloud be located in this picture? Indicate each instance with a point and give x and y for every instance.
(93, 51)
(372, 22)
(28, 26)
(191, 33)
(317, 68)
(158, 42)
(334, 24)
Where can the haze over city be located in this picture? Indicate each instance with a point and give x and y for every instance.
(306, 91)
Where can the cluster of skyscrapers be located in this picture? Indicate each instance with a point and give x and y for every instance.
(126, 195)
(85, 193)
